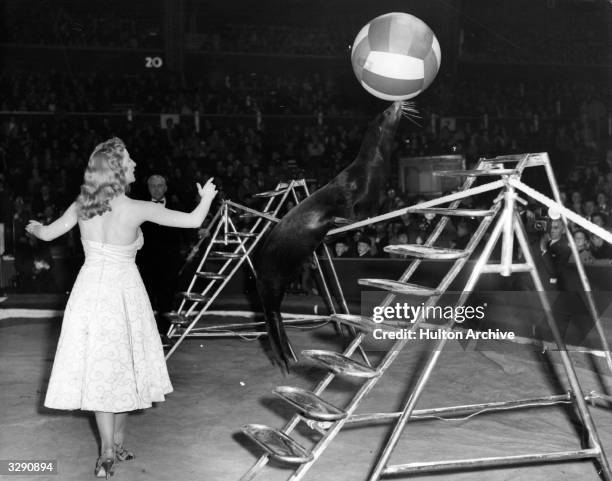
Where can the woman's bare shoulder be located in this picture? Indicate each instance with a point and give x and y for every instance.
(127, 207)
(129, 202)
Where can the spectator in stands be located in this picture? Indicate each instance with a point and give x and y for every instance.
(364, 248)
(400, 239)
(370, 235)
(379, 239)
(588, 209)
(425, 227)
(602, 203)
(246, 190)
(583, 245)
(5, 216)
(341, 248)
(393, 231)
(576, 202)
(600, 249)
(356, 236)
(44, 199)
(308, 280)
(17, 233)
(390, 202)
(599, 219)
(410, 226)
(36, 273)
(465, 231)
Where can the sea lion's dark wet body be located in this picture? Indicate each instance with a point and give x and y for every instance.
(353, 194)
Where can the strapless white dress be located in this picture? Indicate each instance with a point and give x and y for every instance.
(109, 356)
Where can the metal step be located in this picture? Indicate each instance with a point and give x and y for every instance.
(341, 221)
(271, 193)
(473, 173)
(532, 159)
(277, 444)
(362, 323)
(211, 275)
(340, 364)
(226, 242)
(176, 318)
(399, 287)
(224, 255)
(457, 212)
(194, 296)
(250, 215)
(366, 324)
(242, 234)
(506, 158)
(426, 252)
(309, 404)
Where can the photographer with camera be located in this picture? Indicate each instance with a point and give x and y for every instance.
(555, 254)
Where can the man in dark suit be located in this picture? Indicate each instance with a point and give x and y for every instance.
(159, 259)
(555, 252)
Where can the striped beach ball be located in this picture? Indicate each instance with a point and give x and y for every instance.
(396, 56)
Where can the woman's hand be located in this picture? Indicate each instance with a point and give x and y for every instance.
(33, 228)
(209, 191)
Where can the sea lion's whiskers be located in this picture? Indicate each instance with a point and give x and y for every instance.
(408, 106)
(409, 111)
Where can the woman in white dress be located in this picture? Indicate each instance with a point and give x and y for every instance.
(109, 357)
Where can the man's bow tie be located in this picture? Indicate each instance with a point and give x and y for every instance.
(158, 201)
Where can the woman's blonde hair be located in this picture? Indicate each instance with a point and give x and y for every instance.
(103, 180)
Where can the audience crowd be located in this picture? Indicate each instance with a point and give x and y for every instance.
(521, 31)
(239, 93)
(42, 158)
(277, 39)
(42, 23)
(227, 94)
(240, 141)
(527, 32)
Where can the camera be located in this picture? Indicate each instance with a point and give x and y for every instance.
(541, 224)
(538, 221)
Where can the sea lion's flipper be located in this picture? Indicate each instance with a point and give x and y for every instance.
(271, 294)
(288, 351)
(279, 342)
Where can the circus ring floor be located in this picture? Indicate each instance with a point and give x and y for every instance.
(221, 384)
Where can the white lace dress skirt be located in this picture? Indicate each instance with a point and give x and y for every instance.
(109, 356)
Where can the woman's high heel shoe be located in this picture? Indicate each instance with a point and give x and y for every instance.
(123, 454)
(105, 467)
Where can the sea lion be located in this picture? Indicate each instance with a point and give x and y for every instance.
(352, 195)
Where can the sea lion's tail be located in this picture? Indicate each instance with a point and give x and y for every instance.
(271, 294)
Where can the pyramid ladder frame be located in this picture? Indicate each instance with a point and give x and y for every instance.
(185, 319)
(508, 225)
(356, 342)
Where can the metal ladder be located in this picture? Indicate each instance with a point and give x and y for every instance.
(327, 419)
(233, 248)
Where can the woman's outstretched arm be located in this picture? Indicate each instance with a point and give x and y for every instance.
(152, 212)
(57, 228)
